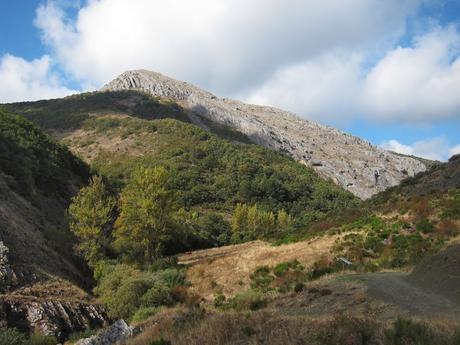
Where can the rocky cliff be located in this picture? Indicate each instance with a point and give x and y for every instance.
(351, 162)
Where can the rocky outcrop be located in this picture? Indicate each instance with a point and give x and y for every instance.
(51, 317)
(351, 162)
(7, 276)
(113, 335)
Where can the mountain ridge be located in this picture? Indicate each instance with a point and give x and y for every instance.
(351, 162)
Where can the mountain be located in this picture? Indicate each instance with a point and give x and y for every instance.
(351, 162)
(118, 131)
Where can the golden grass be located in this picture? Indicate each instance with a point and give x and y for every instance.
(227, 269)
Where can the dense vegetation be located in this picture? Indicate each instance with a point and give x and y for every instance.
(70, 112)
(32, 162)
(188, 186)
(402, 225)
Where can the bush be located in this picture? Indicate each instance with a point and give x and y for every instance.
(124, 289)
(248, 300)
(11, 336)
(143, 314)
(406, 331)
(261, 279)
(174, 277)
(76, 336)
(425, 226)
(39, 339)
(159, 294)
(346, 330)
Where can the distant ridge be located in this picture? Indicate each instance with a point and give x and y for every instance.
(354, 164)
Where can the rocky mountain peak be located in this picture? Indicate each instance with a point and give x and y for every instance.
(356, 165)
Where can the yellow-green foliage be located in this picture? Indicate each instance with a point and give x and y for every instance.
(250, 222)
(90, 214)
(145, 221)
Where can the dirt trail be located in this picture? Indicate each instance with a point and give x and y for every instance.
(396, 288)
(227, 269)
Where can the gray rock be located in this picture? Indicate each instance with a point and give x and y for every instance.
(52, 317)
(347, 160)
(7, 275)
(114, 334)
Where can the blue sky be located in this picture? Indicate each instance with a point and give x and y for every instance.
(387, 71)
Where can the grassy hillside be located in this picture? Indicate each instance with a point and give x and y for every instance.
(118, 132)
(404, 224)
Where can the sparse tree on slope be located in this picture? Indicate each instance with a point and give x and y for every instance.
(90, 213)
(146, 221)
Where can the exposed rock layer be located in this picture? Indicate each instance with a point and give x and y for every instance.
(51, 317)
(351, 162)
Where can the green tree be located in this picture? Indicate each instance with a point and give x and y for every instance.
(284, 220)
(90, 215)
(249, 222)
(240, 219)
(145, 222)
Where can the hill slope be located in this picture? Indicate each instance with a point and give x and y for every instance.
(354, 164)
(116, 132)
(41, 280)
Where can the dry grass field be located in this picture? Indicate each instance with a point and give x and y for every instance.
(227, 269)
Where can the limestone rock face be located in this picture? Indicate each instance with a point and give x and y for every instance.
(115, 334)
(51, 317)
(349, 161)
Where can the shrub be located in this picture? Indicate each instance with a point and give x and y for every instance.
(248, 300)
(425, 226)
(261, 279)
(406, 331)
(219, 300)
(39, 339)
(159, 294)
(174, 277)
(144, 313)
(345, 330)
(11, 336)
(76, 336)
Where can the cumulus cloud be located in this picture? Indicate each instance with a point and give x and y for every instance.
(418, 83)
(22, 80)
(325, 60)
(222, 45)
(435, 148)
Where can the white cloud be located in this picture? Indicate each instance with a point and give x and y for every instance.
(435, 148)
(454, 150)
(419, 83)
(223, 45)
(310, 57)
(22, 80)
(325, 87)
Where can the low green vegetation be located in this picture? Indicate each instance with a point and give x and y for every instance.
(11, 336)
(70, 112)
(135, 294)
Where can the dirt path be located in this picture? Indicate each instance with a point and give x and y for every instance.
(395, 288)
